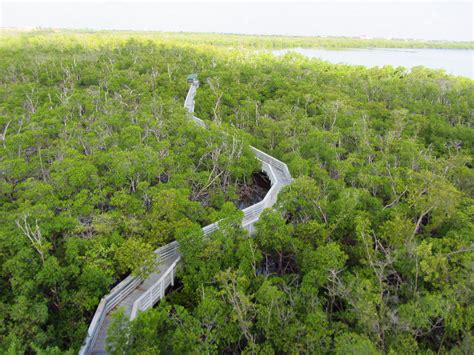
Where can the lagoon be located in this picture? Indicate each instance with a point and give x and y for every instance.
(454, 61)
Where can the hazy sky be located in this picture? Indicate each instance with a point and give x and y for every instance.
(421, 20)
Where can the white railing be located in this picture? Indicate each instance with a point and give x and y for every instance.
(171, 250)
(275, 163)
(167, 251)
(199, 121)
(210, 228)
(252, 213)
(156, 291)
(118, 293)
(189, 101)
(107, 303)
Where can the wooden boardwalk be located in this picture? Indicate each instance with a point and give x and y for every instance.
(129, 300)
(134, 294)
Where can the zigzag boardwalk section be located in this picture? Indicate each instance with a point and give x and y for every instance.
(129, 293)
(135, 294)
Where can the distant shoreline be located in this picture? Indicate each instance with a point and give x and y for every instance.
(254, 41)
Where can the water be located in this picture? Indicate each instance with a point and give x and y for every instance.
(453, 61)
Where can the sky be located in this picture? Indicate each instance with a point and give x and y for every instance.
(430, 20)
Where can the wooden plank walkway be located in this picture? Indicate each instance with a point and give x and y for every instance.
(128, 301)
(135, 295)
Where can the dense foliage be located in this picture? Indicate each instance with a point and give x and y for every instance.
(99, 166)
(369, 250)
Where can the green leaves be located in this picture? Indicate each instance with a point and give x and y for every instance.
(352, 343)
(273, 234)
(70, 175)
(369, 249)
(318, 265)
(136, 257)
(99, 167)
(303, 201)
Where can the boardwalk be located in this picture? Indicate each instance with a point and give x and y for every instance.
(129, 300)
(134, 294)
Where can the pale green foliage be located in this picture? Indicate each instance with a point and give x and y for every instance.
(136, 257)
(369, 250)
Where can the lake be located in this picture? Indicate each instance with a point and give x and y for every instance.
(453, 61)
